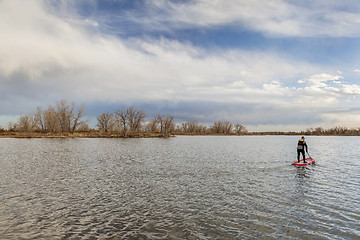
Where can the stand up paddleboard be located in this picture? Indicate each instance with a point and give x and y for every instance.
(301, 163)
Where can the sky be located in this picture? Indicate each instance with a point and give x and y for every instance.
(277, 65)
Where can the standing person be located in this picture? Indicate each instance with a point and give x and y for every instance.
(301, 148)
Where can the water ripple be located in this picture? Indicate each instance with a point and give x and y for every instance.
(178, 188)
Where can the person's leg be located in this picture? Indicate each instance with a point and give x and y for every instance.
(298, 155)
(303, 154)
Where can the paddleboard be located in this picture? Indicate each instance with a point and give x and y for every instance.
(301, 163)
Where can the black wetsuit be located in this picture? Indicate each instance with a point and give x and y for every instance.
(301, 149)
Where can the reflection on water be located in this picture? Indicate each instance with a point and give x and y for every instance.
(178, 188)
(303, 171)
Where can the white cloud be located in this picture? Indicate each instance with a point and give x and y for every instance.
(320, 80)
(348, 118)
(350, 89)
(45, 56)
(327, 84)
(55, 56)
(277, 17)
(324, 94)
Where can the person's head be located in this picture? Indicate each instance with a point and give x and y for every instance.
(302, 137)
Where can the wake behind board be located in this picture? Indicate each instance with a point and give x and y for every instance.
(301, 163)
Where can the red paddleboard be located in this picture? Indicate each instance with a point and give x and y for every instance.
(301, 163)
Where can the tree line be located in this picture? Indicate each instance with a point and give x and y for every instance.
(67, 118)
(60, 118)
(131, 122)
(335, 131)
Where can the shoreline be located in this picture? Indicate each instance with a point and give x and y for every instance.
(79, 135)
(148, 135)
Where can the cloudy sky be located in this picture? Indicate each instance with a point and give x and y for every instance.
(270, 65)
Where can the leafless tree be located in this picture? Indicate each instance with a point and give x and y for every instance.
(227, 129)
(64, 113)
(319, 130)
(50, 120)
(83, 127)
(26, 123)
(152, 126)
(105, 122)
(76, 118)
(135, 118)
(39, 120)
(166, 124)
(129, 120)
(169, 124)
(12, 127)
(67, 118)
(190, 127)
(160, 121)
(216, 127)
(239, 129)
(121, 119)
(220, 127)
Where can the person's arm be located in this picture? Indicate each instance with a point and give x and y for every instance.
(306, 147)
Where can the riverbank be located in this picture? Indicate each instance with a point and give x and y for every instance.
(80, 135)
(96, 134)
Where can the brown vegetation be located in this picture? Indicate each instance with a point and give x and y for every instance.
(130, 122)
(336, 131)
(61, 118)
(64, 120)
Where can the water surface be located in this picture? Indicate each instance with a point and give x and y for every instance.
(179, 188)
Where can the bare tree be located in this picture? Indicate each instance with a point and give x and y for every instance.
(239, 129)
(64, 114)
(12, 127)
(216, 127)
(169, 124)
(51, 121)
(39, 120)
(160, 121)
(67, 118)
(26, 123)
(105, 122)
(227, 127)
(220, 127)
(83, 127)
(138, 120)
(129, 120)
(135, 118)
(166, 123)
(319, 130)
(152, 126)
(121, 119)
(190, 127)
(76, 118)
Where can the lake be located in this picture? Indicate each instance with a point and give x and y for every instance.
(186, 187)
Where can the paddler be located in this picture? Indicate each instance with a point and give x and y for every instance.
(301, 148)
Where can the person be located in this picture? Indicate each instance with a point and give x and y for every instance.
(301, 148)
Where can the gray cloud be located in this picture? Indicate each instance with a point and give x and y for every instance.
(273, 18)
(45, 57)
